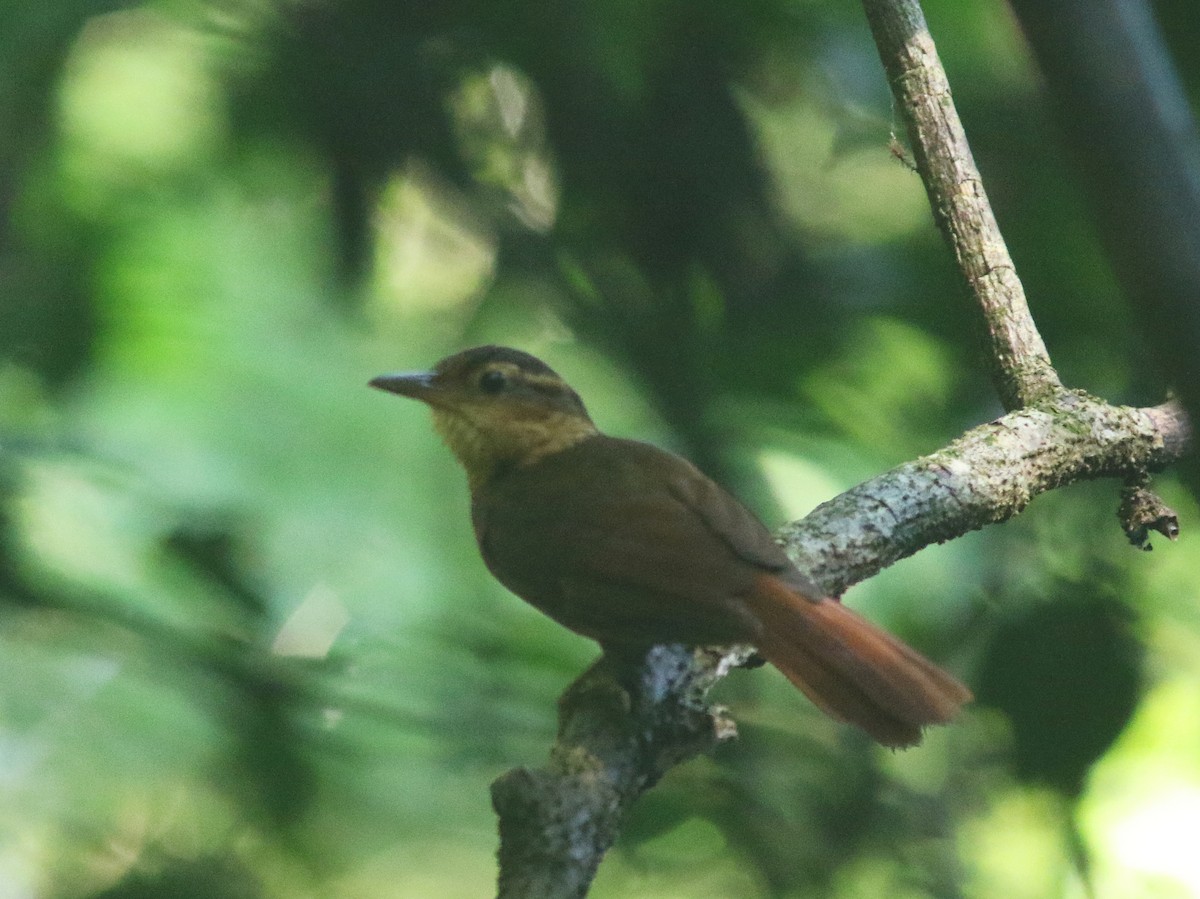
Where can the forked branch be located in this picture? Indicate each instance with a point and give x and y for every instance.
(623, 725)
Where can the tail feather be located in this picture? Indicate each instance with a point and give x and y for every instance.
(851, 669)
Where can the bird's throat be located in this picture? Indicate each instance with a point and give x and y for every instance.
(485, 450)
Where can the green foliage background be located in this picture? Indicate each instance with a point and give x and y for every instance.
(246, 646)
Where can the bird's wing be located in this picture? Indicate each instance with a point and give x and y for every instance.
(624, 538)
(742, 532)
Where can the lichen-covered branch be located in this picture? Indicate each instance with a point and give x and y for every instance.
(987, 475)
(622, 726)
(1021, 367)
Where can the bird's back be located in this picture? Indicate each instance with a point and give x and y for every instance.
(625, 542)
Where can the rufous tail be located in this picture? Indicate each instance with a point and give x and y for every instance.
(851, 669)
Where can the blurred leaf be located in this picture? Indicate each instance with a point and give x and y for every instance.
(247, 645)
(201, 878)
(1068, 674)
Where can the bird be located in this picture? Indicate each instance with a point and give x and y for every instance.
(633, 546)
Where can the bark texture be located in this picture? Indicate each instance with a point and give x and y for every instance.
(987, 475)
(622, 726)
(1021, 368)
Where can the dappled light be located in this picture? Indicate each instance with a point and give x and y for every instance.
(247, 647)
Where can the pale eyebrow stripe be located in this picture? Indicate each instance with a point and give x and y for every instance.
(543, 383)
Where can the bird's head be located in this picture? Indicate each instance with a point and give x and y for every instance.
(496, 408)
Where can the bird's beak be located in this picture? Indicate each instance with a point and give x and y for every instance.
(420, 385)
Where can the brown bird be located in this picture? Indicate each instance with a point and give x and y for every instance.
(632, 546)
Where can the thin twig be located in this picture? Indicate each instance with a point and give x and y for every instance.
(1021, 365)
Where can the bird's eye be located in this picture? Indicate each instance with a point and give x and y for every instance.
(492, 381)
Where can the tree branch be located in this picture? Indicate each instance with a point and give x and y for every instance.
(986, 476)
(1021, 368)
(624, 723)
